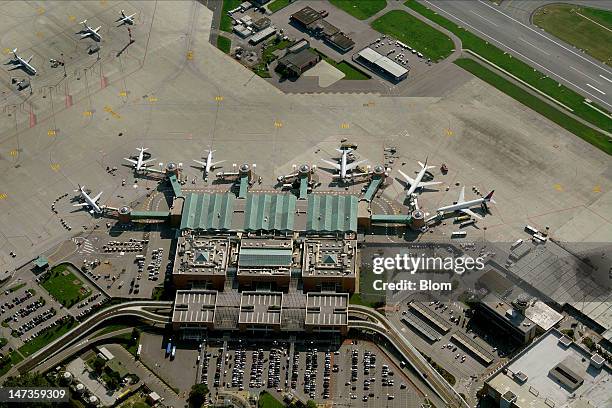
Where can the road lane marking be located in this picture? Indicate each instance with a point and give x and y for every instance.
(485, 19)
(520, 54)
(580, 72)
(537, 48)
(542, 35)
(607, 79)
(598, 90)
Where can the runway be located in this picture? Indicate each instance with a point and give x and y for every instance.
(507, 26)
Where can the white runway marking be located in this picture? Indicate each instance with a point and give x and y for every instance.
(537, 48)
(485, 19)
(580, 72)
(607, 79)
(598, 90)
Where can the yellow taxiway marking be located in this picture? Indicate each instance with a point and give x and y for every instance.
(87, 113)
(71, 18)
(39, 34)
(7, 50)
(190, 55)
(597, 189)
(13, 153)
(112, 112)
(40, 10)
(123, 93)
(3, 196)
(218, 98)
(153, 99)
(449, 132)
(55, 166)
(51, 132)
(558, 187)
(344, 126)
(278, 124)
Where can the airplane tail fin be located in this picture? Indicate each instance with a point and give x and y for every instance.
(123, 13)
(83, 22)
(15, 51)
(489, 197)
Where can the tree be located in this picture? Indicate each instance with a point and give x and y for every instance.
(28, 380)
(311, 404)
(98, 365)
(197, 395)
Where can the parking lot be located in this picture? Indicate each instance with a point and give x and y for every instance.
(348, 374)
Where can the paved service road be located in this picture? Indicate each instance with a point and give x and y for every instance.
(510, 30)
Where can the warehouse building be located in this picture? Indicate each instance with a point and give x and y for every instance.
(314, 23)
(381, 64)
(293, 65)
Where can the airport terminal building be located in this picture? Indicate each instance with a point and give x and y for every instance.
(265, 263)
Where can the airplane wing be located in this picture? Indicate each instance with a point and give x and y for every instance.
(408, 178)
(461, 198)
(331, 163)
(80, 205)
(96, 198)
(14, 68)
(428, 167)
(29, 59)
(148, 161)
(429, 183)
(215, 163)
(352, 165)
(201, 163)
(471, 213)
(130, 160)
(96, 30)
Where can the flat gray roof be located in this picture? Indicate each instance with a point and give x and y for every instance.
(261, 308)
(536, 363)
(327, 309)
(194, 306)
(382, 62)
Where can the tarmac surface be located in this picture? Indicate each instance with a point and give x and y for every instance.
(176, 94)
(509, 27)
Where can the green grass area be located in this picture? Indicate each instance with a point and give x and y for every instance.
(350, 72)
(267, 56)
(64, 286)
(518, 68)
(16, 287)
(268, 401)
(277, 5)
(567, 122)
(224, 44)
(9, 361)
(3, 341)
(47, 337)
(583, 27)
(403, 26)
(360, 9)
(226, 21)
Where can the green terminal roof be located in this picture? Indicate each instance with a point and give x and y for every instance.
(176, 186)
(149, 214)
(41, 261)
(332, 213)
(264, 257)
(208, 211)
(269, 212)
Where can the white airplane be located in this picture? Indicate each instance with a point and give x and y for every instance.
(416, 182)
(20, 63)
(464, 206)
(344, 167)
(92, 33)
(90, 202)
(208, 164)
(140, 163)
(129, 20)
